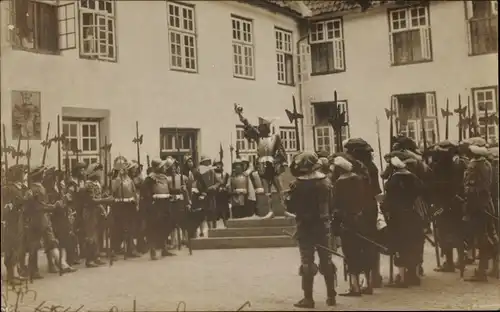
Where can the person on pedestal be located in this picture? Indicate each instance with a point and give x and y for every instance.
(240, 189)
(310, 197)
(271, 157)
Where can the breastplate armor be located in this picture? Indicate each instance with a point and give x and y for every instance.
(239, 182)
(123, 188)
(208, 176)
(266, 146)
(174, 183)
(257, 182)
(219, 177)
(161, 185)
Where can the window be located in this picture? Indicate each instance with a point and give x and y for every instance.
(304, 62)
(83, 139)
(289, 141)
(182, 34)
(410, 35)
(35, 25)
(482, 26)
(169, 142)
(97, 29)
(324, 136)
(485, 99)
(243, 49)
(409, 109)
(246, 148)
(284, 56)
(327, 47)
(67, 32)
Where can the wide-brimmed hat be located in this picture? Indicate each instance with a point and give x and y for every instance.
(477, 141)
(479, 150)
(305, 163)
(50, 171)
(78, 166)
(167, 163)
(322, 154)
(37, 171)
(404, 142)
(238, 161)
(343, 163)
(217, 162)
(205, 158)
(397, 162)
(120, 163)
(358, 144)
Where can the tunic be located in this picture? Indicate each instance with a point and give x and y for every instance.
(240, 188)
(91, 211)
(40, 226)
(13, 198)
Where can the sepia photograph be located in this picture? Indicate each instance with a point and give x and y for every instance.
(249, 155)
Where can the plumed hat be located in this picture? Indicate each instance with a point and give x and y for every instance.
(93, 169)
(479, 150)
(357, 144)
(304, 163)
(205, 158)
(343, 163)
(397, 163)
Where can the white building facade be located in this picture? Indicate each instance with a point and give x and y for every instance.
(416, 58)
(178, 67)
(103, 65)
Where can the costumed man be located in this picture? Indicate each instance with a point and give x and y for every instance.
(180, 202)
(92, 210)
(478, 179)
(155, 194)
(13, 200)
(60, 221)
(74, 189)
(124, 209)
(220, 192)
(40, 226)
(349, 202)
(447, 187)
(205, 181)
(135, 173)
(405, 224)
(201, 211)
(493, 159)
(252, 198)
(240, 189)
(271, 157)
(363, 152)
(310, 198)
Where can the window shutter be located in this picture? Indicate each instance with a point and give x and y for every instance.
(469, 12)
(304, 62)
(494, 7)
(338, 54)
(430, 104)
(67, 26)
(425, 43)
(391, 48)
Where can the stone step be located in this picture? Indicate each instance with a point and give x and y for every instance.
(242, 242)
(255, 222)
(250, 231)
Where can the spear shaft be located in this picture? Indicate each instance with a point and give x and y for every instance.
(44, 157)
(5, 156)
(59, 143)
(460, 120)
(446, 134)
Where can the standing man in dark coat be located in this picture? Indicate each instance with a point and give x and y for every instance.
(310, 197)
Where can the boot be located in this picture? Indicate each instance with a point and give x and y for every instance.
(34, 272)
(63, 266)
(13, 277)
(354, 290)
(448, 265)
(479, 276)
(307, 286)
(412, 277)
(270, 214)
(368, 290)
(50, 262)
(131, 250)
(400, 280)
(330, 290)
(152, 253)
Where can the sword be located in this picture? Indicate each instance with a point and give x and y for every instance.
(333, 252)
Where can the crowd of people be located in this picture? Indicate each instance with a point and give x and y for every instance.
(452, 186)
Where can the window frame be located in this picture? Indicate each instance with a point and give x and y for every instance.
(425, 34)
(470, 19)
(338, 62)
(482, 113)
(243, 45)
(183, 34)
(284, 54)
(249, 149)
(96, 15)
(346, 133)
(68, 7)
(288, 137)
(79, 139)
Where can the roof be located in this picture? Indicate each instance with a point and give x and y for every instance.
(319, 7)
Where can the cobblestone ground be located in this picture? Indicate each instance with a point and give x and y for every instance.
(222, 280)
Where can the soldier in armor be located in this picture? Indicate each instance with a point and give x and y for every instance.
(40, 226)
(271, 155)
(405, 224)
(252, 198)
(448, 171)
(220, 192)
(13, 199)
(135, 173)
(74, 187)
(198, 190)
(480, 211)
(310, 197)
(155, 194)
(124, 209)
(180, 201)
(240, 189)
(203, 191)
(363, 153)
(60, 221)
(93, 208)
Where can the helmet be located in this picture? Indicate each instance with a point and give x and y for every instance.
(120, 163)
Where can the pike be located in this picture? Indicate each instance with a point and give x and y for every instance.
(446, 115)
(28, 158)
(138, 141)
(18, 151)
(474, 120)
(58, 143)
(294, 117)
(186, 210)
(46, 144)
(147, 161)
(338, 121)
(469, 118)
(333, 252)
(5, 149)
(424, 137)
(106, 148)
(231, 150)
(461, 113)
